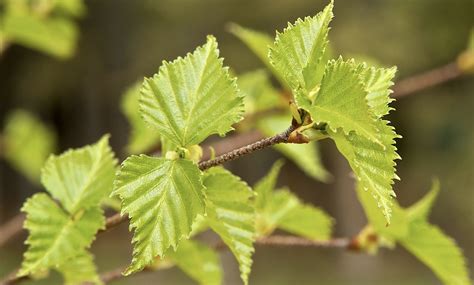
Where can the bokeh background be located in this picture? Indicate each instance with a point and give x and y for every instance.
(121, 41)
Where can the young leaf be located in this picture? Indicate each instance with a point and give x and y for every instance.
(284, 210)
(192, 97)
(27, 143)
(55, 236)
(79, 270)
(301, 219)
(421, 209)
(260, 44)
(199, 261)
(305, 156)
(298, 52)
(80, 178)
(341, 102)
(142, 138)
(438, 251)
(259, 94)
(52, 35)
(162, 198)
(377, 83)
(231, 215)
(372, 163)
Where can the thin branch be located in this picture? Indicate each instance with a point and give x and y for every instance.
(236, 153)
(275, 240)
(11, 228)
(427, 79)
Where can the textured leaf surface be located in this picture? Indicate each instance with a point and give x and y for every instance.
(142, 138)
(341, 101)
(199, 261)
(55, 36)
(81, 178)
(372, 163)
(162, 198)
(79, 270)
(27, 143)
(282, 209)
(377, 83)
(438, 251)
(305, 156)
(298, 52)
(231, 215)
(192, 97)
(54, 236)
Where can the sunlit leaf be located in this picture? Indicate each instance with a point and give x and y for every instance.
(162, 198)
(54, 236)
(192, 97)
(79, 270)
(231, 215)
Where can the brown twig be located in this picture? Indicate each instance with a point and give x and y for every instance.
(275, 240)
(11, 228)
(427, 79)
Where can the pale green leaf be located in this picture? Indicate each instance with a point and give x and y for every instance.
(302, 219)
(162, 199)
(259, 94)
(438, 251)
(81, 178)
(372, 163)
(260, 44)
(192, 97)
(74, 8)
(79, 270)
(231, 215)
(305, 156)
(142, 138)
(55, 36)
(54, 236)
(421, 209)
(341, 102)
(264, 187)
(297, 53)
(199, 261)
(377, 83)
(27, 143)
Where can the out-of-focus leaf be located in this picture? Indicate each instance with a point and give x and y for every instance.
(199, 261)
(27, 143)
(259, 94)
(141, 138)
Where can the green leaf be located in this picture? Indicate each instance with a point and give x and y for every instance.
(372, 163)
(341, 102)
(421, 209)
(377, 83)
(297, 53)
(231, 215)
(27, 143)
(302, 219)
(80, 269)
(438, 251)
(74, 8)
(142, 138)
(259, 94)
(284, 210)
(81, 178)
(162, 199)
(199, 261)
(260, 44)
(54, 236)
(54, 36)
(305, 156)
(192, 97)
